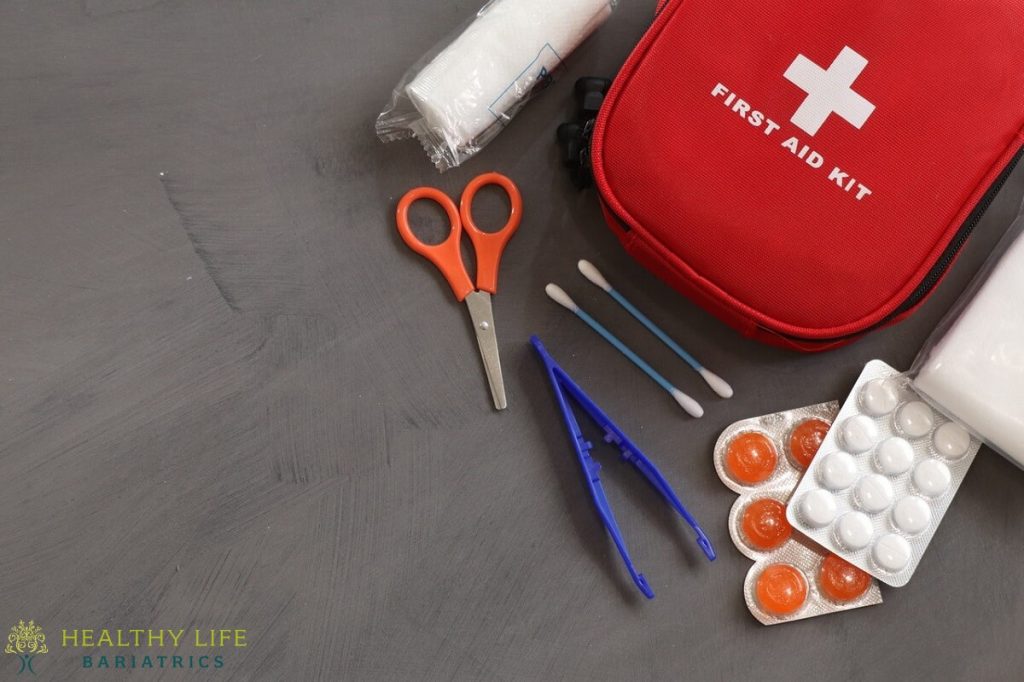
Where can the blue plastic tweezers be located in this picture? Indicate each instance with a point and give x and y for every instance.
(563, 385)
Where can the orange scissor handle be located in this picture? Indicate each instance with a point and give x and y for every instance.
(490, 245)
(446, 256)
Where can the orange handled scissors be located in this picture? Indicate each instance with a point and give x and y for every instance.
(447, 256)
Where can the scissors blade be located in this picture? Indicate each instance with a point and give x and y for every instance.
(479, 304)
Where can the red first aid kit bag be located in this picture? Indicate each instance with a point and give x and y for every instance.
(808, 171)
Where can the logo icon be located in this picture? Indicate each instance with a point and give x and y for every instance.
(26, 641)
(829, 91)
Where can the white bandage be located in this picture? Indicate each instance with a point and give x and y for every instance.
(485, 72)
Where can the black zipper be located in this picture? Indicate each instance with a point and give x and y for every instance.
(934, 275)
(958, 241)
(937, 271)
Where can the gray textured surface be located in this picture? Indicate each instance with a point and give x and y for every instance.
(230, 397)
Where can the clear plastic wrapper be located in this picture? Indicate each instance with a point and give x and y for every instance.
(972, 367)
(884, 477)
(460, 95)
(792, 578)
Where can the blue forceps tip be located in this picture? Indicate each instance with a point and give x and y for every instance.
(564, 386)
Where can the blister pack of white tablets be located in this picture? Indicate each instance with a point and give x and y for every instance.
(792, 578)
(884, 477)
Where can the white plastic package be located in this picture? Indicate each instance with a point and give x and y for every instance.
(465, 91)
(883, 478)
(972, 367)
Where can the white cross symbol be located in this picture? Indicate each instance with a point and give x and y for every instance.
(829, 92)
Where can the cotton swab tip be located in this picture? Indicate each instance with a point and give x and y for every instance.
(588, 270)
(691, 406)
(717, 383)
(558, 295)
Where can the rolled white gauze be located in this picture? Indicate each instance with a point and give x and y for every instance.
(497, 60)
(975, 373)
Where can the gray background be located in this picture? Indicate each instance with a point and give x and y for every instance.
(229, 396)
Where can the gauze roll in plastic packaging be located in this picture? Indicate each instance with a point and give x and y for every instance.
(972, 367)
(463, 93)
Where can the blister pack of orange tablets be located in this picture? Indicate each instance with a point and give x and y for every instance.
(792, 578)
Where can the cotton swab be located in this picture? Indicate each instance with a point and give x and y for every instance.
(717, 383)
(558, 295)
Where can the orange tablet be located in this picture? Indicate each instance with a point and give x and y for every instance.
(781, 589)
(764, 524)
(842, 581)
(805, 440)
(751, 458)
